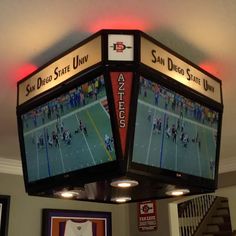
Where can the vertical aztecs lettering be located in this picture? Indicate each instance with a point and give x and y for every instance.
(121, 87)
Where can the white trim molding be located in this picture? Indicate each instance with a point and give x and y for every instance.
(10, 166)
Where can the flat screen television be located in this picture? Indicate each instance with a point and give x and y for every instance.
(175, 132)
(66, 133)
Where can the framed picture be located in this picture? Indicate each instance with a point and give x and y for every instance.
(4, 214)
(74, 223)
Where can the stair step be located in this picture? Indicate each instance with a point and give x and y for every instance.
(212, 228)
(224, 204)
(220, 233)
(224, 200)
(222, 211)
(224, 216)
(222, 207)
(217, 220)
(226, 226)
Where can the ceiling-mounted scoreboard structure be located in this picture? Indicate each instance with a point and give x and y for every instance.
(119, 105)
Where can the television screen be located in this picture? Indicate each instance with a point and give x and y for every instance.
(69, 132)
(173, 132)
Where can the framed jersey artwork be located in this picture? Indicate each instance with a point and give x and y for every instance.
(76, 223)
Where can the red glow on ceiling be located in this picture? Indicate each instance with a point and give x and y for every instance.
(19, 72)
(118, 23)
(211, 67)
(24, 70)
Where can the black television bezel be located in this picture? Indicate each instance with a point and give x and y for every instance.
(78, 177)
(165, 175)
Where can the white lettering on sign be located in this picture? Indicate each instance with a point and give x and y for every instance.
(121, 102)
(144, 218)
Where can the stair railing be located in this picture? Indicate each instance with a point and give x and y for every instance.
(187, 214)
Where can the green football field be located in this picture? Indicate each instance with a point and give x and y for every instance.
(155, 148)
(84, 150)
(152, 147)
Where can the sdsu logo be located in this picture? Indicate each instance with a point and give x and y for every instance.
(146, 208)
(120, 47)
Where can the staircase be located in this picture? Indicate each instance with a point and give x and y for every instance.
(202, 215)
(219, 223)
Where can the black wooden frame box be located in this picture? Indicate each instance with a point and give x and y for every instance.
(119, 105)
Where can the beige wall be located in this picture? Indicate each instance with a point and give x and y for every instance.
(26, 211)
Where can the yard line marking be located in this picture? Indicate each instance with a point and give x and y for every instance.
(176, 156)
(37, 154)
(175, 115)
(105, 110)
(99, 136)
(162, 139)
(176, 151)
(214, 138)
(207, 151)
(65, 116)
(150, 138)
(198, 155)
(62, 162)
(46, 149)
(85, 139)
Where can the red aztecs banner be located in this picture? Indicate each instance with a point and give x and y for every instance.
(147, 216)
(121, 85)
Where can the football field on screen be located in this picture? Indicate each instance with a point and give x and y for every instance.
(156, 148)
(83, 149)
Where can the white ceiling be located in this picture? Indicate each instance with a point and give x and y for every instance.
(33, 32)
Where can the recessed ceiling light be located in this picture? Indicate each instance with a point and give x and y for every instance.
(178, 192)
(68, 194)
(65, 193)
(121, 199)
(124, 183)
